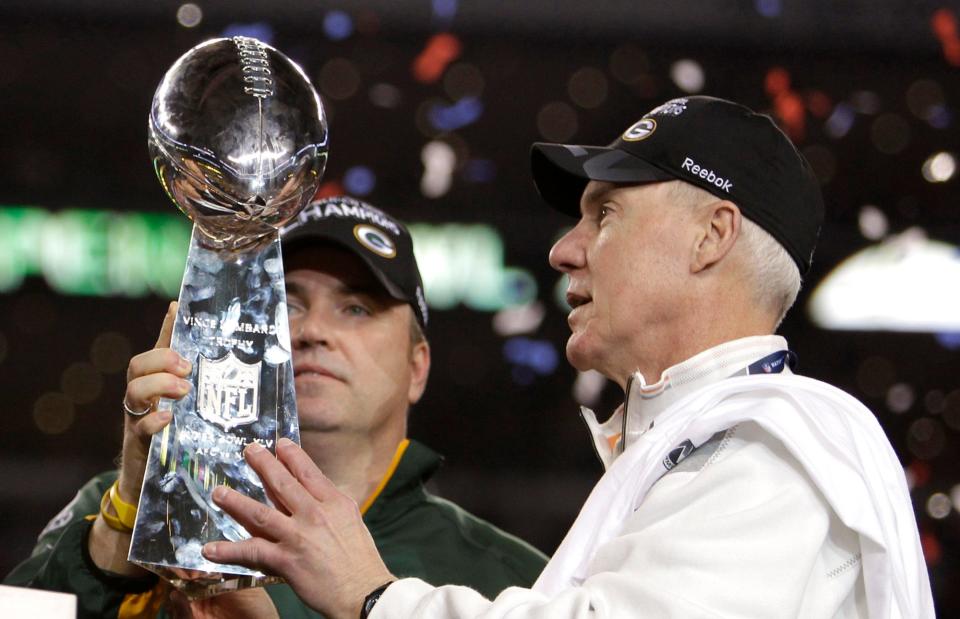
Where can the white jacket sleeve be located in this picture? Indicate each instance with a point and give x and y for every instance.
(740, 537)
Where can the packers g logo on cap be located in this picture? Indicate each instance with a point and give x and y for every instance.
(640, 130)
(375, 239)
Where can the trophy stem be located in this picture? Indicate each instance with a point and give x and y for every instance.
(231, 325)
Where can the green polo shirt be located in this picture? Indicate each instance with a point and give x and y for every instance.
(418, 534)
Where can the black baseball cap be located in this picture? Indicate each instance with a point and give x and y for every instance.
(382, 242)
(718, 145)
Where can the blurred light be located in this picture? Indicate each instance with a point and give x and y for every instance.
(359, 180)
(588, 387)
(840, 121)
(81, 382)
(865, 102)
(823, 162)
(939, 506)
(262, 31)
(189, 15)
(560, 293)
(873, 222)
(943, 22)
(890, 133)
(53, 413)
(905, 283)
(819, 104)
(444, 10)
(788, 105)
(440, 51)
(900, 398)
(587, 87)
(940, 117)
(932, 549)
(949, 340)
(629, 63)
(955, 497)
(776, 81)
(934, 402)
(463, 80)
(768, 8)
(385, 95)
(925, 438)
(93, 252)
(480, 171)
(328, 189)
(922, 96)
(538, 355)
(452, 117)
(463, 263)
(439, 160)
(339, 79)
(556, 122)
(951, 410)
(520, 319)
(918, 474)
(939, 167)
(337, 25)
(110, 352)
(687, 75)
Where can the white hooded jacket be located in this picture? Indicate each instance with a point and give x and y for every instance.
(796, 506)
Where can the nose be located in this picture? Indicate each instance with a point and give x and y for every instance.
(567, 254)
(309, 328)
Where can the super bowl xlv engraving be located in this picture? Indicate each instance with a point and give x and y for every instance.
(238, 139)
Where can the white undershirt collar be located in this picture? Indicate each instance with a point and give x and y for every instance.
(644, 401)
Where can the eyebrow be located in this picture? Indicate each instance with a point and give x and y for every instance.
(597, 195)
(371, 290)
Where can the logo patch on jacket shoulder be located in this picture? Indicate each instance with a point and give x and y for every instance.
(677, 454)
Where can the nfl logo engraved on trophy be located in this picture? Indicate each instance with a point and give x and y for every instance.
(228, 391)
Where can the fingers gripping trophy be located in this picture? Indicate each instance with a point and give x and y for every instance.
(238, 139)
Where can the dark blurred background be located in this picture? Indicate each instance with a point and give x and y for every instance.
(432, 108)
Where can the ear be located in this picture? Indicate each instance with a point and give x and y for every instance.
(419, 371)
(720, 227)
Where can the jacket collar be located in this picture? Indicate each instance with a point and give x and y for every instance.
(417, 464)
(643, 401)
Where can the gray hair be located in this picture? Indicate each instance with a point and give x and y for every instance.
(772, 273)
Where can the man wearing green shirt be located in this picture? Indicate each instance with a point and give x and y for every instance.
(357, 314)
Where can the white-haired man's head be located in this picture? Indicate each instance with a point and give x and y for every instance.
(768, 269)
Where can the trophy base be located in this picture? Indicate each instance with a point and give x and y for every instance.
(197, 584)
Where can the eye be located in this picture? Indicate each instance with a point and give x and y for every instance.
(294, 305)
(602, 213)
(355, 309)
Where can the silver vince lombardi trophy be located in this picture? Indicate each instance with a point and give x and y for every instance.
(238, 139)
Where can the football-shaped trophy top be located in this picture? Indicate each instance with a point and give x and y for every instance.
(238, 139)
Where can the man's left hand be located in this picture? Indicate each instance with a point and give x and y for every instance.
(315, 538)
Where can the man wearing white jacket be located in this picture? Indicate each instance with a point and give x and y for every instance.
(733, 488)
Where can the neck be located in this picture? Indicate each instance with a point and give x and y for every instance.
(355, 463)
(678, 347)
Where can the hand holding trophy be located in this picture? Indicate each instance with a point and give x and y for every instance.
(238, 139)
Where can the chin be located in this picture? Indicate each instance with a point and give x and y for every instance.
(579, 354)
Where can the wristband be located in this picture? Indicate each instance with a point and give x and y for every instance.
(126, 512)
(371, 600)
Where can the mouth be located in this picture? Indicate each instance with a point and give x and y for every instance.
(577, 300)
(308, 370)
